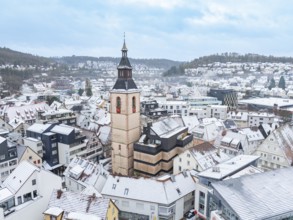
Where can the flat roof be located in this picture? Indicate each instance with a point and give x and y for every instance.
(228, 167)
(55, 211)
(269, 102)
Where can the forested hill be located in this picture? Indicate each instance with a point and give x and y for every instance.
(224, 58)
(8, 56)
(157, 63)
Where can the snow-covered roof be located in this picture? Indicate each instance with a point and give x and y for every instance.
(39, 128)
(190, 121)
(228, 167)
(62, 129)
(104, 134)
(165, 126)
(5, 194)
(2, 139)
(55, 211)
(250, 170)
(269, 102)
(207, 157)
(82, 216)
(208, 131)
(19, 176)
(252, 135)
(147, 189)
(77, 204)
(26, 111)
(267, 195)
(86, 172)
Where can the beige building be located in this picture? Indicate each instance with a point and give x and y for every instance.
(125, 117)
(26, 153)
(159, 144)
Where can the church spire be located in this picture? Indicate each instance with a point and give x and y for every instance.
(124, 62)
(124, 48)
(124, 68)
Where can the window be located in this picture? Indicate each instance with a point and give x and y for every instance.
(118, 105)
(27, 197)
(133, 105)
(125, 203)
(54, 152)
(30, 157)
(188, 163)
(12, 154)
(52, 218)
(19, 200)
(188, 155)
(12, 162)
(35, 193)
(180, 159)
(119, 147)
(201, 208)
(179, 168)
(34, 182)
(126, 191)
(140, 206)
(2, 157)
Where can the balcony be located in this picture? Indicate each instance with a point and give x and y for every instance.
(166, 211)
(185, 140)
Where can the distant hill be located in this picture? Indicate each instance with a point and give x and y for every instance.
(157, 63)
(224, 58)
(8, 56)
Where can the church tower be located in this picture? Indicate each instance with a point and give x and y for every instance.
(125, 117)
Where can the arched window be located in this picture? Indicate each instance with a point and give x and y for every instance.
(118, 105)
(133, 105)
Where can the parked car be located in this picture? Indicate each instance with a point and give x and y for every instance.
(191, 214)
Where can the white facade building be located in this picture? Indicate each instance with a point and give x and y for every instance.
(26, 192)
(256, 118)
(175, 107)
(210, 111)
(167, 197)
(276, 150)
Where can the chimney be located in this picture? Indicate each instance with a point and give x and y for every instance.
(59, 193)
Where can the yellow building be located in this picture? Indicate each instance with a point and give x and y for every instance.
(113, 211)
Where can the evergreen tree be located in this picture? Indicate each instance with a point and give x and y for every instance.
(51, 99)
(272, 84)
(282, 83)
(80, 91)
(88, 88)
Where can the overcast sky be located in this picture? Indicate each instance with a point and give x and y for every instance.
(172, 29)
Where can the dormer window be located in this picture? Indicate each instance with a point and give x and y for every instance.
(118, 105)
